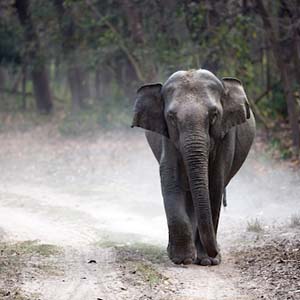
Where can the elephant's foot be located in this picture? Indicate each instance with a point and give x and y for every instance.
(208, 261)
(181, 254)
(203, 259)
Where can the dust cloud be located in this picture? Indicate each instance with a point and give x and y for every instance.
(106, 188)
(264, 189)
(265, 194)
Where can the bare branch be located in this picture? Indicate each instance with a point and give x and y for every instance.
(134, 62)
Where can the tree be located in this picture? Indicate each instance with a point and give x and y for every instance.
(69, 42)
(281, 52)
(35, 57)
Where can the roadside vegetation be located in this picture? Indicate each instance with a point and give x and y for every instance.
(295, 220)
(21, 261)
(82, 61)
(71, 69)
(255, 226)
(270, 266)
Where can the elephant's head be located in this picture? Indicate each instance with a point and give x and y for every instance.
(194, 109)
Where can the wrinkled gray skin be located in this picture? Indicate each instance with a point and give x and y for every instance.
(200, 130)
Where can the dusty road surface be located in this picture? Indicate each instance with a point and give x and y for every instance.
(97, 202)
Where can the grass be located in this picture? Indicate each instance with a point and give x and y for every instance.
(15, 257)
(149, 273)
(295, 220)
(136, 251)
(278, 146)
(29, 247)
(255, 225)
(141, 258)
(155, 254)
(22, 260)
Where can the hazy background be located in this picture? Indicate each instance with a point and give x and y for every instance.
(68, 75)
(75, 176)
(106, 189)
(79, 63)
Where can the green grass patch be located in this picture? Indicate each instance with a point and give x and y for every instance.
(136, 251)
(155, 254)
(149, 273)
(141, 259)
(278, 147)
(29, 247)
(24, 260)
(17, 256)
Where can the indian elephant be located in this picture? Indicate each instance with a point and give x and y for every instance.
(200, 130)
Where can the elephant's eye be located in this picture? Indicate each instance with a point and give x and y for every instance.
(172, 118)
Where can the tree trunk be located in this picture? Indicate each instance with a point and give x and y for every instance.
(75, 70)
(291, 107)
(134, 20)
(34, 56)
(41, 89)
(285, 73)
(293, 11)
(98, 85)
(2, 82)
(77, 86)
(203, 30)
(24, 79)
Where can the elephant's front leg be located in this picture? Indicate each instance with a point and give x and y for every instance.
(216, 192)
(202, 257)
(181, 249)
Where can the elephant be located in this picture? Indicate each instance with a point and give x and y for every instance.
(200, 130)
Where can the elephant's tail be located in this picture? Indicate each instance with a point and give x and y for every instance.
(224, 198)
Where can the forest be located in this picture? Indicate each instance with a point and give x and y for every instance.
(84, 59)
(86, 211)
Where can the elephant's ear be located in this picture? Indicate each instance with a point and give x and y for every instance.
(149, 109)
(236, 108)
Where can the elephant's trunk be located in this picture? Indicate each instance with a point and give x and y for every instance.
(195, 148)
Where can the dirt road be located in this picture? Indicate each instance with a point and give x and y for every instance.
(98, 199)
